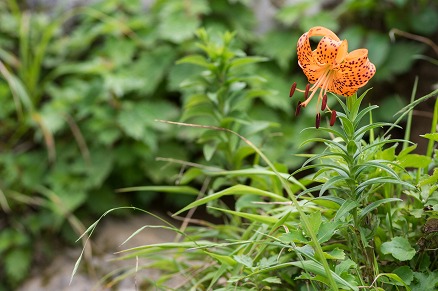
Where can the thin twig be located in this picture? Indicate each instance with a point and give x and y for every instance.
(416, 37)
(192, 210)
(80, 140)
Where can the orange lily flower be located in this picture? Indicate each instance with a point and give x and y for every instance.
(330, 68)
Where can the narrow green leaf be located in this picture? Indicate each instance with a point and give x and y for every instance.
(345, 209)
(315, 267)
(196, 60)
(247, 60)
(374, 205)
(332, 181)
(234, 190)
(225, 260)
(168, 189)
(253, 217)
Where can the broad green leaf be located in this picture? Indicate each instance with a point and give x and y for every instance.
(415, 161)
(405, 273)
(198, 60)
(244, 260)
(394, 278)
(327, 230)
(427, 281)
(336, 254)
(17, 263)
(400, 59)
(291, 13)
(175, 25)
(276, 45)
(431, 136)
(294, 235)
(429, 180)
(399, 248)
(315, 221)
(344, 266)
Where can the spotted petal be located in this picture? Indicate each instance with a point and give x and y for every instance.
(353, 73)
(304, 50)
(330, 51)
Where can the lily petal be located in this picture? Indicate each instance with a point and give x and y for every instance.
(330, 52)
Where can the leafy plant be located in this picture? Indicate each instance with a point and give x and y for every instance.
(81, 89)
(352, 221)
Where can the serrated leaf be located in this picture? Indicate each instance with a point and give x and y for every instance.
(429, 180)
(315, 221)
(244, 260)
(399, 248)
(294, 235)
(425, 281)
(327, 230)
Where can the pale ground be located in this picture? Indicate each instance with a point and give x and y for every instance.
(106, 241)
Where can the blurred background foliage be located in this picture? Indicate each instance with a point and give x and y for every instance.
(81, 87)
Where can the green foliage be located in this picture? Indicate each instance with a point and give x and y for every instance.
(363, 215)
(81, 90)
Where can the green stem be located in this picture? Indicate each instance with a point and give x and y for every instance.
(409, 121)
(433, 130)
